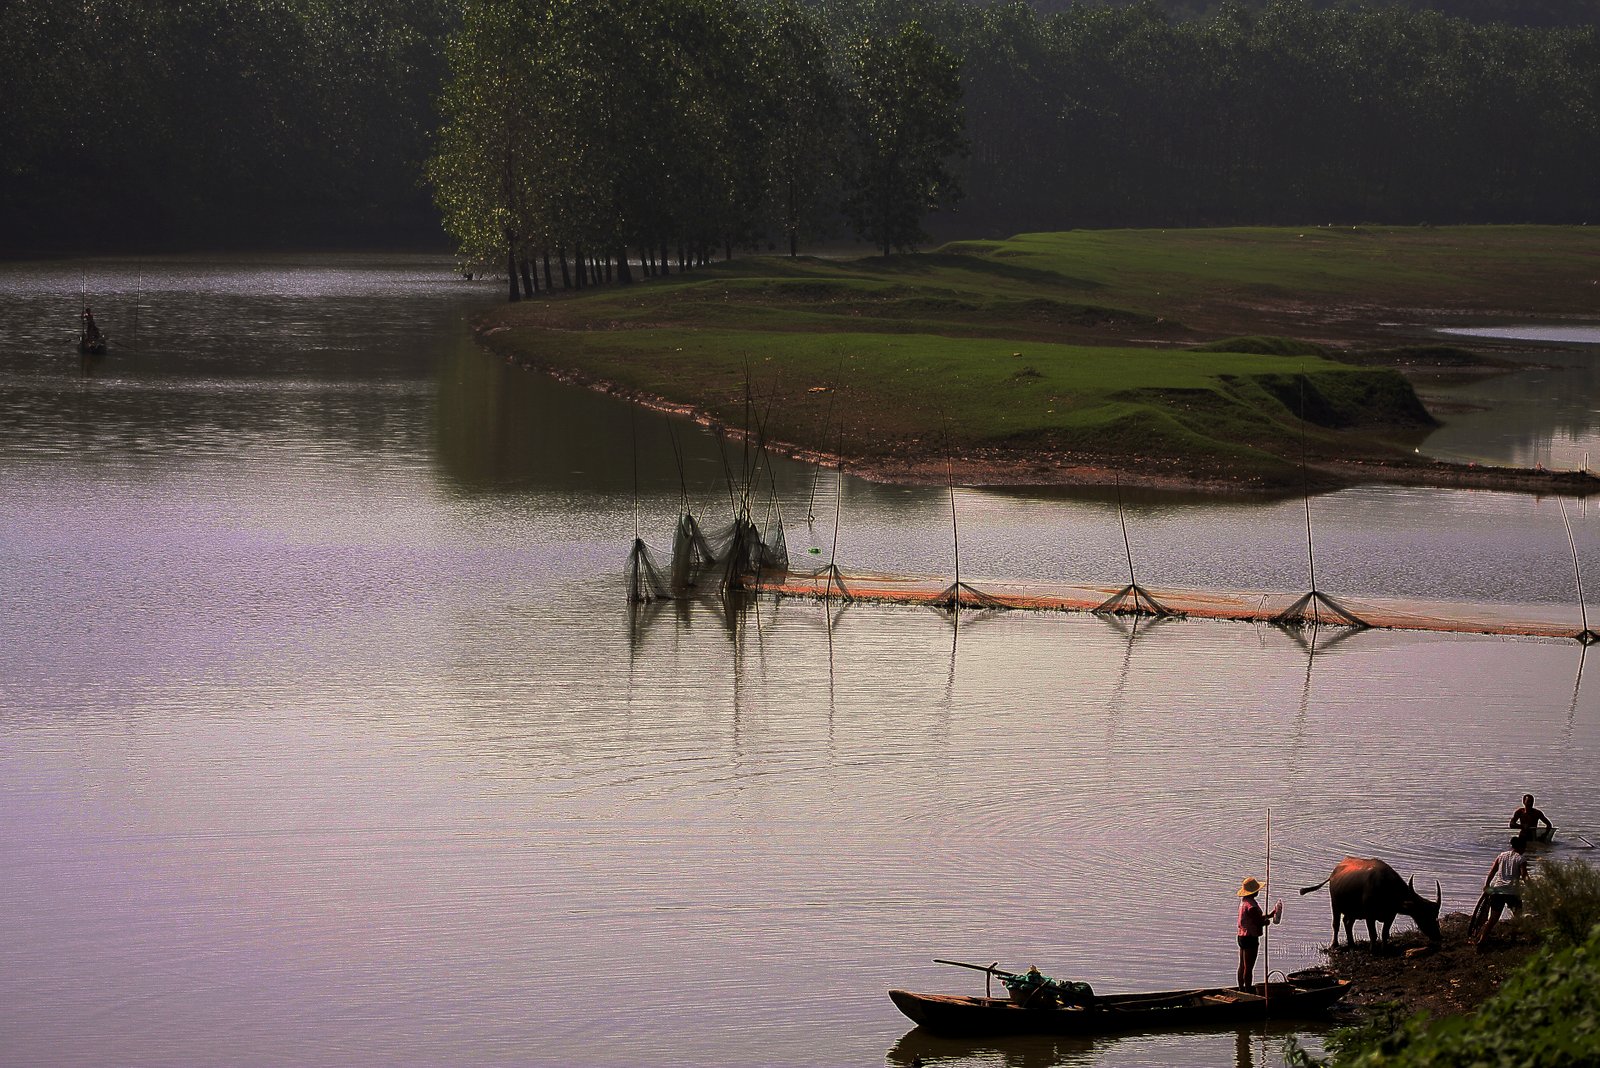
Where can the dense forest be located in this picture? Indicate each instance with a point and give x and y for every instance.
(217, 123)
(243, 123)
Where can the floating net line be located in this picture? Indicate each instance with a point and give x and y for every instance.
(701, 562)
(1287, 610)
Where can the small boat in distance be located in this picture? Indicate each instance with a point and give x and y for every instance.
(1304, 995)
(91, 342)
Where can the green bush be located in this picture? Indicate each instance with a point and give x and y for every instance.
(1547, 1014)
(1563, 896)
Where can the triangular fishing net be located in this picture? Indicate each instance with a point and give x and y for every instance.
(726, 559)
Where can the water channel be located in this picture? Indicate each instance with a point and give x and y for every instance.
(326, 735)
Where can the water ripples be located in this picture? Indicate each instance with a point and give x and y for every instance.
(328, 735)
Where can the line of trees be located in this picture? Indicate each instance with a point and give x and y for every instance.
(1293, 113)
(665, 132)
(676, 128)
(736, 123)
(148, 123)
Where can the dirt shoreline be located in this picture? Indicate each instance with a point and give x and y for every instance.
(1452, 981)
(903, 464)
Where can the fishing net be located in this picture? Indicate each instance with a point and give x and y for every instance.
(964, 595)
(1037, 990)
(705, 562)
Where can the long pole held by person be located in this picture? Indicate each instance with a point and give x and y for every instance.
(1266, 931)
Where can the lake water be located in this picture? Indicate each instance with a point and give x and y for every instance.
(326, 735)
(1548, 413)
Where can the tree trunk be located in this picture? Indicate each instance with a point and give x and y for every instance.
(511, 266)
(624, 272)
(884, 207)
(609, 258)
(580, 268)
(548, 284)
(566, 278)
(683, 259)
(794, 219)
(529, 287)
(727, 248)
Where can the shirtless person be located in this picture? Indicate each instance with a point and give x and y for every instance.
(1527, 819)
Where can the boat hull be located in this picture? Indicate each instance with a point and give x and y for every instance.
(1157, 1011)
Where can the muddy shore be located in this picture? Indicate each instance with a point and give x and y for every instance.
(1454, 980)
(911, 463)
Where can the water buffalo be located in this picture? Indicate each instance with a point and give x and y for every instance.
(1371, 890)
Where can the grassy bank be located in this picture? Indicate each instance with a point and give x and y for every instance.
(1058, 357)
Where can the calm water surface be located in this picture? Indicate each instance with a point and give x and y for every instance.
(1547, 414)
(326, 735)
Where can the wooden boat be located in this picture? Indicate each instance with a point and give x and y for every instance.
(1301, 996)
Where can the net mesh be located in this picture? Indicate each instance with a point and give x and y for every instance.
(702, 562)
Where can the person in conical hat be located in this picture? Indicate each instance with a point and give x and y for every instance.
(1252, 921)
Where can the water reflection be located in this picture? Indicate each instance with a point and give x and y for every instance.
(1545, 413)
(1260, 1047)
(327, 733)
(1556, 334)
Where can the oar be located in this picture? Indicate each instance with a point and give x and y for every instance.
(1586, 843)
(990, 969)
(993, 968)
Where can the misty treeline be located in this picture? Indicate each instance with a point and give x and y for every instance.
(669, 131)
(1289, 114)
(675, 127)
(247, 122)
(139, 123)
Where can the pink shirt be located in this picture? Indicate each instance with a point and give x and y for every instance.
(1251, 919)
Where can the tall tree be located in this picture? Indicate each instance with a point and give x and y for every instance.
(905, 109)
(804, 101)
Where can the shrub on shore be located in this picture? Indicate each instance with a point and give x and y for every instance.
(1563, 897)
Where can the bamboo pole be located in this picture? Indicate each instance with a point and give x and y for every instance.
(1266, 933)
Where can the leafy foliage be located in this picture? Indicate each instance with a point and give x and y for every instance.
(144, 121)
(1563, 896)
(739, 123)
(1548, 1014)
(906, 125)
(695, 124)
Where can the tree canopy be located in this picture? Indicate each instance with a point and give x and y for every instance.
(692, 127)
(226, 121)
(652, 127)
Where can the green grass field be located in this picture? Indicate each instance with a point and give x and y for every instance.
(1076, 348)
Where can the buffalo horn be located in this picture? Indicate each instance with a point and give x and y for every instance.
(1438, 893)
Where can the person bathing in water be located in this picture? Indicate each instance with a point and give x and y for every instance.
(1252, 921)
(1527, 819)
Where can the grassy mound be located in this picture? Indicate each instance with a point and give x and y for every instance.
(1045, 349)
